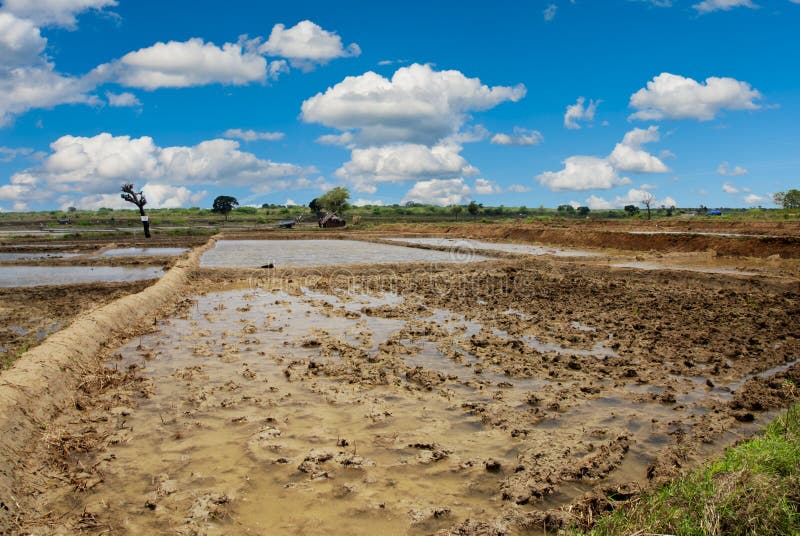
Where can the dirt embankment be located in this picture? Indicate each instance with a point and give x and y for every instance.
(591, 237)
(44, 380)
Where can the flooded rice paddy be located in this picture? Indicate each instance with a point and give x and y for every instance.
(281, 253)
(7, 256)
(29, 276)
(469, 398)
(358, 412)
(142, 252)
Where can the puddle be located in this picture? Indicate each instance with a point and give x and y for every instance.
(40, 335)
(467, 244)
(764, 374)
(281, 253)
(142, 252)
(30, 276)
(598, 350)
(582, 327)
(658, 266)
(24, 256)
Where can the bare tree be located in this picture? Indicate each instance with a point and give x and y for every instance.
(647, 200)
(137, 198)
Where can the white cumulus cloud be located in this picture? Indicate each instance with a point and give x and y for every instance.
(486, 187)
(578, 112)
(629, 156)
(252, 135)
(168, 196)
(417, 105)
(86, 166)
(120, 100)
(708, 6)
(729, 188)
(306, 44)
(344, 139)
(583, 173)
(520, 137)
(40, 86)
(725, 170)
(28, 79)
(677, 97)
(186, 63)
(441, 192)
(54, 12)
(7, 154)
(396, 163)
(591, 172)
(21, 42)
(754, 199)
(634, 196)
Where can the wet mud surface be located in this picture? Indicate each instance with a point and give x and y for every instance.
(496, 398)
(474, 245)
(29, 314)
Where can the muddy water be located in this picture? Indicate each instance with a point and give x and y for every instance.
(24, 256)
(30, 276)
(309, 456)
(254, 253)
(467, 244)
(142, 252)
(310, 413)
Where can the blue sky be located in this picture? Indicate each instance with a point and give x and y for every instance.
(583, 102)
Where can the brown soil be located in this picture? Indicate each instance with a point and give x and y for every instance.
(526, 392)
(786, 244)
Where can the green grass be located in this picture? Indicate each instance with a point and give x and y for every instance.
(370, 215)
(754, 489)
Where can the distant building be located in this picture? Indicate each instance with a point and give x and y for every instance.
(331, 220)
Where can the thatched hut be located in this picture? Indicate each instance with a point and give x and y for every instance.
(331, 220)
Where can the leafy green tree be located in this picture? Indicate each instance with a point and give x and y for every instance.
(788, 200)
(566, 209)
(224, 204)
(315, 207)
(632, 210)
(583, 211)
(474, 209)
(335, 200)
(456, 210)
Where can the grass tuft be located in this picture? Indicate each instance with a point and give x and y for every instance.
(754, 489)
